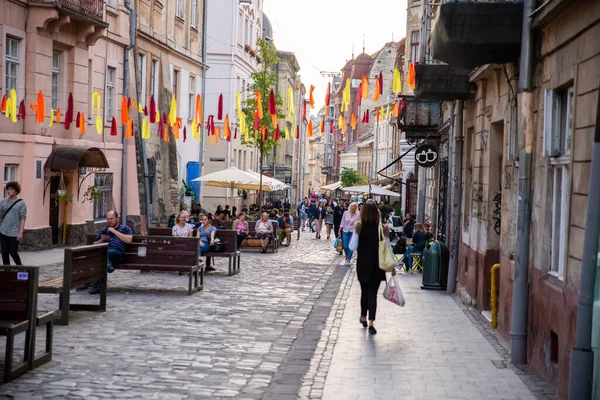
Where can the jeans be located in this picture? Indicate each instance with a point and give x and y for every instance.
(368, 298)
(10, 246)
(346, 237)
(205, 248)
(115, 257)
(408, 259)
(240, 238)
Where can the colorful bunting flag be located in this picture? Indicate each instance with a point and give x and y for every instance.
(220, 108)
(397, 83)
(311, 96)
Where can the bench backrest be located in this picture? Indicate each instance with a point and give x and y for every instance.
(163, 250)
(85, 264)
(18, 292)
(226, 224)
(228, 238)
(158, 231)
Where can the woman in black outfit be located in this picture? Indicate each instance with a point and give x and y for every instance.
(369, 274)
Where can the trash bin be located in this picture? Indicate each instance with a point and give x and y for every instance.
(435, 266)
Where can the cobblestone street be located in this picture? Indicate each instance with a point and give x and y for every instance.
(286, 327)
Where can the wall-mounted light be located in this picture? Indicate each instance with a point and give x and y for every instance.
(484, 138)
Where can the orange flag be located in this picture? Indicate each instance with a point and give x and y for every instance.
(264, 132)
(39, 109)
(199, 109)
(411, 79)
(353, 121)
(259, 108)
(58, 116)
(310, 128)
(81, 123)
(226, 127)
(395, 110)
(129, 129)
(311, 96)
(166, 135)
(124, 112)
(365, 87)
(377, 90)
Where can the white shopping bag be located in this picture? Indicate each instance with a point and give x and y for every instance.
(393, 293)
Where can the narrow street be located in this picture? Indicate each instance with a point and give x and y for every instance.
(286, 327)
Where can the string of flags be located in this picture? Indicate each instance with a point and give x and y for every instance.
(172, 125)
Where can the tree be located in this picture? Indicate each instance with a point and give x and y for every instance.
(351, 177)
(263, 82)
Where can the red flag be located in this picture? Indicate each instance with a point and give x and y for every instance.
(256, 121)
(152, 110)
(220, 109)
(331, 127)
(272, 104)
(160, 129)
(3, 104)
(77, 120)
(113, 127)
(235, 133)
(298, 132)
(276, 134)
(69, 113)
(359, 95)
(381, 83)
(184, 134)
(22, 113)
(146, 111)
(304, 111)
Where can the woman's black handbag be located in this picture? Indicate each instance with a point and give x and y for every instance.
(218, 246)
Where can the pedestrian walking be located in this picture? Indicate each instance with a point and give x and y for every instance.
(329, 217)
(338, 213)
(320, 215)
(347, 228)
(366, 242)
(13, 213)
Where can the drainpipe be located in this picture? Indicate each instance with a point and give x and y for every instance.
(581, 366)
(457, 200)
(520, 294)
(448, 210)
(126, 94)
(421, 196)
(203, 96)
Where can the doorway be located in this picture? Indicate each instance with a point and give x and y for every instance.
(54, 217)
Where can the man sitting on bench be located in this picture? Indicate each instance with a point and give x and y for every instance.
(117, 236)
(286, 225)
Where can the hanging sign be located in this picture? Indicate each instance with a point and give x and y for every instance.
(426, 156)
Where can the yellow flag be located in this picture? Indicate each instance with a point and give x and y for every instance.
(99, 124)
(387, 112)
(96, 103)
(238, 105)
(290, 101)
(194, 128)
(12, 109)
(173, 111)
(51, 117)
(287, 133)
(144, 127)
(397, 84)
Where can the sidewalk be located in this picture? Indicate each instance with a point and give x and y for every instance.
(429, 349)
(42, 257)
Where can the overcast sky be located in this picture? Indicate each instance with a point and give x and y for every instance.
(321, 32)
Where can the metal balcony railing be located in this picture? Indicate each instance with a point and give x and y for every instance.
(87, 8)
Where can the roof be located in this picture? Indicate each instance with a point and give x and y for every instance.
(71, 158)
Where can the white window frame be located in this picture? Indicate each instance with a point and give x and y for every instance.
(143, 73)
(179, 8)
(56, 55)
(240, 24)
(111, 73)
(415, 45)
(104, 181)
(192, 95)
(175, 87)
(11, 63)
(10, 174)
(194, 14)
(558, 131)
(154, 71)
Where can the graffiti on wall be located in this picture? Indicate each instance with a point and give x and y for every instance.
(497, 216)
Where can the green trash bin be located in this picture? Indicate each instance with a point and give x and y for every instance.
(435, 266)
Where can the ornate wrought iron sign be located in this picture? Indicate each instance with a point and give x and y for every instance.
(426, 155)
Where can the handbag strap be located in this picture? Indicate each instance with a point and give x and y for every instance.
(7, 211)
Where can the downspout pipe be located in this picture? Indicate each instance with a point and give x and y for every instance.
(448, 210)
(520, 294)
(581, 366)
(124, 171)
(457, 198)
(203, 95)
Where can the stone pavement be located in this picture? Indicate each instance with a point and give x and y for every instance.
(286, 327)
(42, 257)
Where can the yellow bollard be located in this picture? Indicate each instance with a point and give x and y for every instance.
(494, 296)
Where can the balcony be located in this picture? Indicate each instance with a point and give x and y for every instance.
(420, 119)
(468, 35)
(81, 10)
(441, 82)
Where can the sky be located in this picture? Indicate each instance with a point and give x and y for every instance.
(322, 32)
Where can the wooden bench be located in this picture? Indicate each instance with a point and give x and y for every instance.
(253, 243)
(160, 231)
(297, 221)
(229, 239)
(18, 314)
(164, 253)
(83, 266)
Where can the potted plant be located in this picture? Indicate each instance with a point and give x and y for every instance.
(187, 193)
(62, 196)
(92, 193)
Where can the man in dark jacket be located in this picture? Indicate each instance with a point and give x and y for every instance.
(338, 213)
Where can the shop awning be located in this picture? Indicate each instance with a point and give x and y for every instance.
(468, 34)
(332, 186)
(72, 158)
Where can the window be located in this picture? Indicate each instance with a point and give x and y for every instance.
(55, 78)
(102, 206)
(179, 9)
(90, 88)
(175, 83)
(414, 46)
(247, 31)
(12, 63)
(110, 92)
(154, 78)
(192, 102)
(110, 3)
(194, 11)
(558, 129)
(10, 174)
(241, 28)
(142, 76)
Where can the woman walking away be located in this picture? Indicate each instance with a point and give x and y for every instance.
(181, 227)
(320, 214)
(366, 242)
(241, 227)
(13, 212)
(329, 217)
(264, 231)
(206, 233)
(347, 227)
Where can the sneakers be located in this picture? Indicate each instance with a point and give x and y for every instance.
(95, 289)
(209, 269)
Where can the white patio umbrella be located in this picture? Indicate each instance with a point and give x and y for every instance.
(274, 184)
(332, 186)
(374, 190)
(233, 178)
